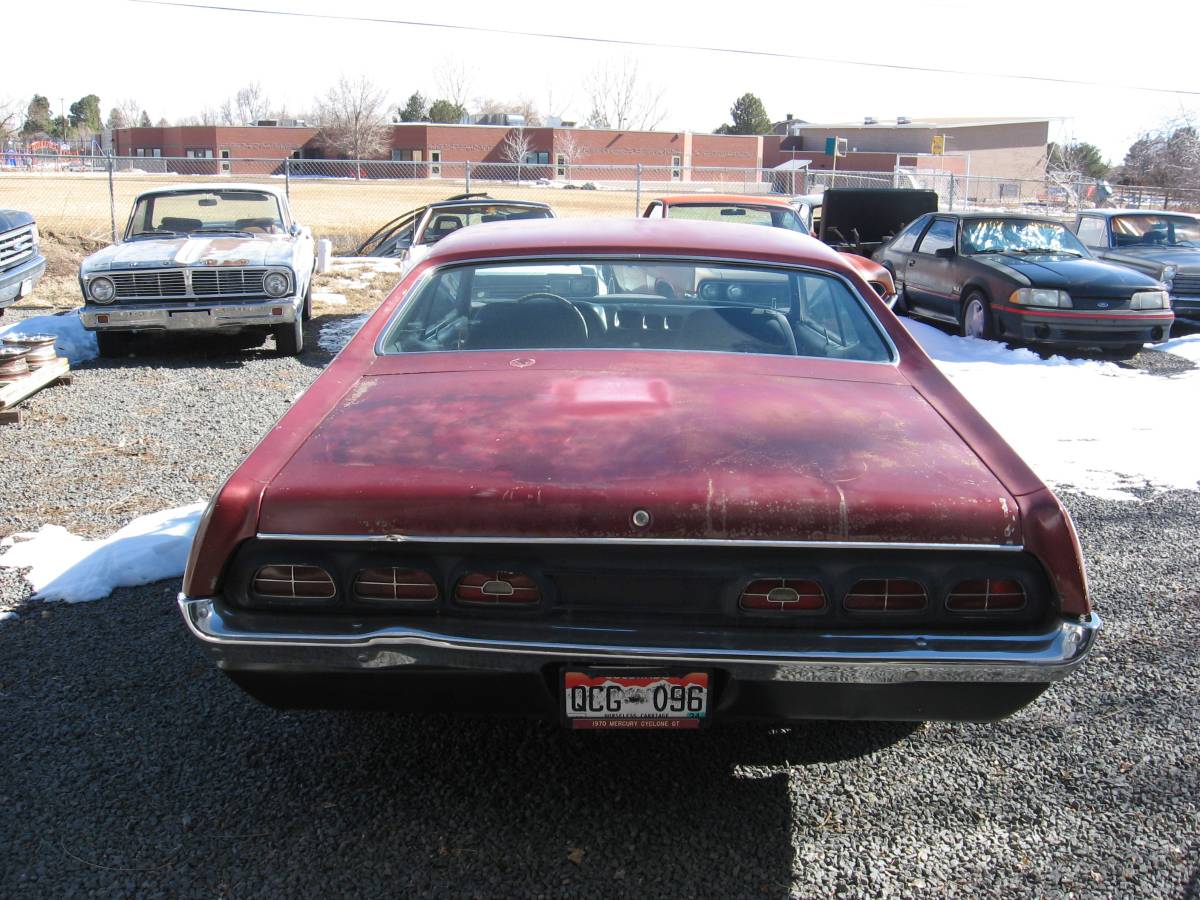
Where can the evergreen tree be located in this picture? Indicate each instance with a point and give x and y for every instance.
(415, 109)
(37, 117)
(446, 112)
(749, 117)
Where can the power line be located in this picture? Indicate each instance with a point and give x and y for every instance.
(657, 45)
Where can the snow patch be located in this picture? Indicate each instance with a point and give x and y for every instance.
(65, 566)
(71, 339)
(1188, 347)
(336, 335)
(1091, 426)
(373, 263)
(329, 298)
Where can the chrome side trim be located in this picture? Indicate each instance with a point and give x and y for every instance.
(848, 657)
(626, 541)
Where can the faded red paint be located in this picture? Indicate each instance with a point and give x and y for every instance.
(716, 445)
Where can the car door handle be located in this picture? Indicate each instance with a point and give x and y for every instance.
(911, 263)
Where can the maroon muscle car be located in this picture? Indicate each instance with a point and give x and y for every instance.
(531, 484)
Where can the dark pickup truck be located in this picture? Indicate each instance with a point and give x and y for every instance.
(861, 220)
(1163, 245)
(21, 263)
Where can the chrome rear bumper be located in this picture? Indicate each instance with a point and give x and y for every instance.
(784, 656)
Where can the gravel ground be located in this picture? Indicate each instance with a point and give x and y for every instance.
(130, 765)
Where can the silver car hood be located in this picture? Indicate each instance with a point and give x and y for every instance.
(215, 250)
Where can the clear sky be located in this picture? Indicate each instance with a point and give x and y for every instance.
(175, 61)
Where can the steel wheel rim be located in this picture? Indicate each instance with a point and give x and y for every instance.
(974, 318)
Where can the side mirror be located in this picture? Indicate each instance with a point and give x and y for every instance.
(294, 231)
(945, 253)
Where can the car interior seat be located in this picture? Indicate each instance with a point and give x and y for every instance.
(176, 223)
(738, 329)
(538, 322)
(444, 225)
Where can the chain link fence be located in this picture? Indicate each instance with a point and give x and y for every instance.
(344, 200)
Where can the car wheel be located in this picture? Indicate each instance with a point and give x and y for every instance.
(112, 343)
(976, 318)
(289, 338)
(306, 308)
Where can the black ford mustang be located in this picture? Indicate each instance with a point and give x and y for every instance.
(1022, 278)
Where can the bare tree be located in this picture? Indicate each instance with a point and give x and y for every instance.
(131, 112)
(516, 147)
(245, 107)
(555, 107)
(10, 117)
(567, 146)
(620, 99)
(528, 111)
(353, 119)
(454, 81)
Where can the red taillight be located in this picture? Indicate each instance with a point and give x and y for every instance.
(404, 585)
(294, 583)
(783, 594)
(886, 595)
(497, 588)
(986, 594)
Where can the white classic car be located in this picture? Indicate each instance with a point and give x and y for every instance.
(203, 257)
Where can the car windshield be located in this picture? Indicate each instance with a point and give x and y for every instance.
(771, 217)
(1156, 231)
(191, 212)
(446, 221)
(637, 304)
(1018, 236)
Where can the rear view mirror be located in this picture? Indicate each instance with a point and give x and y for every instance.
(944, 253)
(733, 211)
(208, 201)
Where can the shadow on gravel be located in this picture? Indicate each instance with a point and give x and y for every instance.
(132, 765)
(212, 351)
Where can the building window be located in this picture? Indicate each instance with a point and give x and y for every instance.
(435, 163)
(148, 151)
(194, 153)
(560, 165)
(676, 168)
(403, 155)
(537, 158)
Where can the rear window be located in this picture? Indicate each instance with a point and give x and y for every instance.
(637, 304)
(736, 214)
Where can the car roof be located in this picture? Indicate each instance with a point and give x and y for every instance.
(731, 199)
(488, 201)
(1109, 213)
(635, 237)
(215, 187)
(1023, 217)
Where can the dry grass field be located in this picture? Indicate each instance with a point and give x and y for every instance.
(76, 206)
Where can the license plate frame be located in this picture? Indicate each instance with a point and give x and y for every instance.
(651, 685)
(185, 319)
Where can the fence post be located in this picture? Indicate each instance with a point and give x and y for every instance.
(287, 178)
(468, 177)
(112, 200)
(951, 191)
(637, 194)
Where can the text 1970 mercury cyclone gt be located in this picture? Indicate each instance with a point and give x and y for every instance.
(532, 484)
(203, 257)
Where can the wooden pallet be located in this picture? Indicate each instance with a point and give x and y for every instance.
(14, 392)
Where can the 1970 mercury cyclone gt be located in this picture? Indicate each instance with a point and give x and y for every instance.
(203, 257)
(532, 484)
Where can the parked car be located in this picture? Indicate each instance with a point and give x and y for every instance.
(203, 257)
(531, 484)
(21, 262)
(1163, 245)
(773, 212)
(410, 236)
(1022, 278)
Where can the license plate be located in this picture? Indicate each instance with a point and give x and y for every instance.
(190, 319)
(600, 699)
(26, 288)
